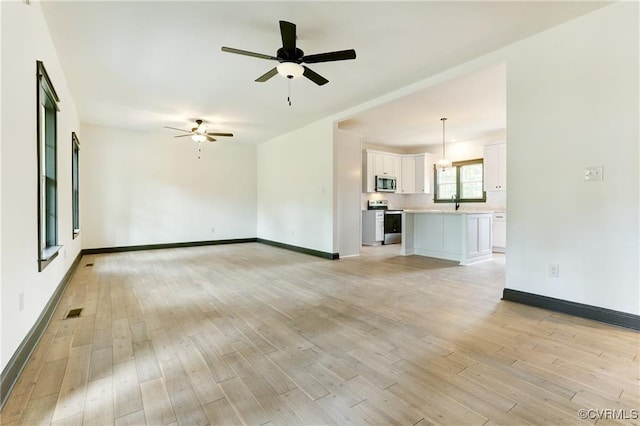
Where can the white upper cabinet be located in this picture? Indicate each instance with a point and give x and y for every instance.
(377, 163)
(495, 167)
(423, 173)
(417, 172)
(414, 172)
(408, 181)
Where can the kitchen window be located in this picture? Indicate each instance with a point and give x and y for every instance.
(47, 101)
(462, 182)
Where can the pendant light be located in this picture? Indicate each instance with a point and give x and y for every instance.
(443, 163)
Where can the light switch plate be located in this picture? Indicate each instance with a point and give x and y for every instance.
(594, 173)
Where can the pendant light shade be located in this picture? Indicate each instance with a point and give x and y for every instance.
(443, 163)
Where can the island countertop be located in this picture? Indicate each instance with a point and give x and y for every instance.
(435, 211)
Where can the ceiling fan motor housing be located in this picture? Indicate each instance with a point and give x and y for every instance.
(285, 55)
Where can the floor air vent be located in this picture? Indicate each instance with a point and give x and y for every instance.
(88, 264)
(73, 313)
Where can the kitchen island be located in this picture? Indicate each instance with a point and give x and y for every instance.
(463, 236)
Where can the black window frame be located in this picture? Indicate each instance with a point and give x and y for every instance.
(47, 151)
(457, 165)
(75, 184)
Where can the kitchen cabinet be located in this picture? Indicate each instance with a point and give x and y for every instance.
(479, 235)
(385, 164)
(414, 172)
(453, 235)
(499, 232)
(423, 173)
(408, 181)
(417, 171)
(378, 163)
(372, 227)
(495, 167)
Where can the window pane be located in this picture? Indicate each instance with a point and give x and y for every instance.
(447, 175)
(471, 181)
(471, 190)
(446, 191)
(471, 173)
(50, 210)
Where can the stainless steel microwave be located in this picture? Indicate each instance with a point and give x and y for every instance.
(386, 184)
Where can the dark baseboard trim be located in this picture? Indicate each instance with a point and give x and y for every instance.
(166, 246)
(317, 253)
(18, 361)
(609, 316)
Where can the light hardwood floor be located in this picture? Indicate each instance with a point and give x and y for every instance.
(252, 334)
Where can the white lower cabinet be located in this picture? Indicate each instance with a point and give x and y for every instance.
(478, 235)
(372, 227)
(499, 232)
(460, 236)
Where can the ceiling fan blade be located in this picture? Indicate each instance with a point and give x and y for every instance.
(266, 76)
(219, 134)
(247, 53)
(341, 55)
(288, 33)
(174, 128)
(314, 76)
(210, 139)
(182, 136)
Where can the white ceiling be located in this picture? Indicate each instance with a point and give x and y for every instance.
(475, 106)
(145, 65)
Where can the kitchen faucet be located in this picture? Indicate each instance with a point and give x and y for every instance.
(455, 200)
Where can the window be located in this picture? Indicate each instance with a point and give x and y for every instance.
(463, 181)
(47, 169)
(75, 183)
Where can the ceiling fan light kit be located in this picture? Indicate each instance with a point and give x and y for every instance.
(290, 70)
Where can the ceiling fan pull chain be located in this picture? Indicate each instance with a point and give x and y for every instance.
(199, 145)
(289, 91)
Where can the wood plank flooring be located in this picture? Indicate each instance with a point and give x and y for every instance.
(252, 334)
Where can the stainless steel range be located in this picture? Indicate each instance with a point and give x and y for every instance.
(392, 221)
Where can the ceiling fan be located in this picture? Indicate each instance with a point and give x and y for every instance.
(199, 133)
(291, 58)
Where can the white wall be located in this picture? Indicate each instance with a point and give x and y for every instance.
(295, 188)
(25, 39)
(347, 152)
(573, 102)
(141, 188)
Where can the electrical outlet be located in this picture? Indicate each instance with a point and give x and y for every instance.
(21, 301)
(594, 173)
(554, 270)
